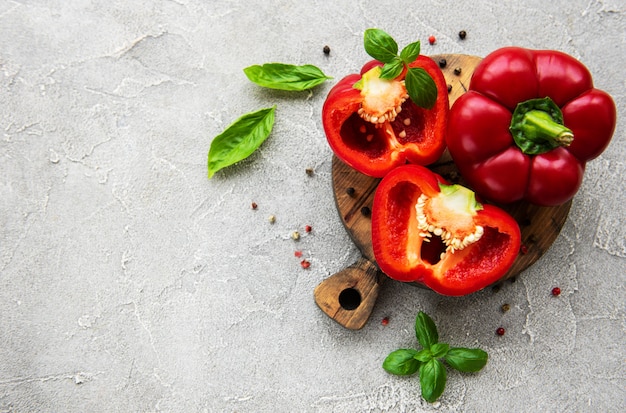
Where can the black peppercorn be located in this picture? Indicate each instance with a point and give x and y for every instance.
(457, 71)
(442, 63)
(462, 34)
(326, 50)
(366, 211)
(350, 191)
(449, 88)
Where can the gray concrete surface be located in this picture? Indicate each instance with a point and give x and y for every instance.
(129, 282)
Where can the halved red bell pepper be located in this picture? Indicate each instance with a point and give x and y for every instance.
(427, 231)
(527, 126)
(376, 128)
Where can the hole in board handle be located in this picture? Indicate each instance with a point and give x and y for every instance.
(349, 299)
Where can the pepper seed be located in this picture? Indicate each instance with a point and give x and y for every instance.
(326, 50)
(462, 34)
(442, 63)
(350, 191)
(366, 211)
(457, 71)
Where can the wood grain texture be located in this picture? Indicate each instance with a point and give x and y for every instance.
(354, 194)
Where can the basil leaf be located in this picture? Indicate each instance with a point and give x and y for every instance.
(421, 87)
(392, 70)
(439, 349)
(410, 52)
(240, 139)
(401, 362)
(424, 355)
(425, 330)
(466, 359)
(285, 76)
(432, 380)
(380, 45)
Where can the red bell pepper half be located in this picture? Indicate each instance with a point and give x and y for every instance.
(427, 231)
(528, 124)
(374, 127)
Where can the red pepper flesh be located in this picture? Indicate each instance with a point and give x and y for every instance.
(403, 252)
(481, 132)
(416, 135)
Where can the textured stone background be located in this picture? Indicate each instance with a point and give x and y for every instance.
(131, 282)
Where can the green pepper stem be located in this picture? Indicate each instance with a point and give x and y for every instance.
(539, 126)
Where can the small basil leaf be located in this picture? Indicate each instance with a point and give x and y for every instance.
(380, 45)
(410, 52)
(421, 87)
(432, 380)
(439, 349)
(466, 359)
(425, 330)
(240, 139)
(392, 70)
(285, 76)
(424, 355)
(401, 362)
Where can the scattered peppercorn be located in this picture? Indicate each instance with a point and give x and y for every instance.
(305, 264)
(457, 71)
(500, 331)
(385, 321)
(462, 34)
(442, 63)
(366, 211)
(298, 254)
(449, 88)
(326, 50)
(309, 171)
(295, 235)
(308, 228)
(556, 291)
(523, 249)
(432, 39)
(254, 205)
(350, 191)
(271, 219)
(505, 308)
(496, 288)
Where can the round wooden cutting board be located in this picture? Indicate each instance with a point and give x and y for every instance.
(349, 296)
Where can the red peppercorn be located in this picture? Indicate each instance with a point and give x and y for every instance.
(308, 228)
(298, 254)
(556, 291)
(385, 321)
(305, 264)
(500, 331)
(432, 39)
(254, 205)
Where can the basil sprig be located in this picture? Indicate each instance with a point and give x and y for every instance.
(419, 84)
(284, 76)
(429, 361)
(240, 139)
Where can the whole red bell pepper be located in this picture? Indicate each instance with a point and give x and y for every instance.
(372, 126)
(427, 231)
(528, 124)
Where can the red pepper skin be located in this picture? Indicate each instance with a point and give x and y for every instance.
(403, 255)
(425, 136)
(483, 148)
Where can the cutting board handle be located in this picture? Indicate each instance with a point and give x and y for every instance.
(348, 297)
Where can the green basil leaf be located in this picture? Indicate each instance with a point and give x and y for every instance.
(466, 359)
(285, 76)
(439, 349)
(425, 330)
(424, 355)
(392, 70)
(380, 45)
(401, 362)
(421, 87)
(240, 139)
(432, 380)
(410, 52)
